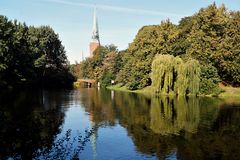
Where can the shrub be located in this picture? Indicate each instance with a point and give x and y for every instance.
(209, 80)
(207, 86)
(106, 79)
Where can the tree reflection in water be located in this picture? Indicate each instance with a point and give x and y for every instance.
(188, 128)
(30, 121)
(27, 123)
(66, 147)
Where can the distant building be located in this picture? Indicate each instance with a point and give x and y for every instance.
(95, 42)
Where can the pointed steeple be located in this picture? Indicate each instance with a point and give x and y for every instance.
(95, 34)
(95, 42)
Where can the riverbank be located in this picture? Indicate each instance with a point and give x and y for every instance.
(119, 87)
(229, 92)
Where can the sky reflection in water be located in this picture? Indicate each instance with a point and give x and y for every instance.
(102, 124)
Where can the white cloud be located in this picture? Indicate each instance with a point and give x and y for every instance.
(119, 9)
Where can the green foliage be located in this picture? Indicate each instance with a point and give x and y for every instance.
(209, 80)
(40, 62)
(172, 75)
(138, 58)
(214, 38)
(106, 79)
(162, 73)
(193, 76)
(207, 86)
(210, 72)
(181, 85)
(209, 36)
(103, 66)
(227, 59)
(30, 56)
(206, 33)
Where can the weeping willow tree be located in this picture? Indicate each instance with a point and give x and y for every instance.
(171, 75)
(193, 76)
(163, 73)
(181, 82)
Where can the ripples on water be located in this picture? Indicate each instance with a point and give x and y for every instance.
(101, 124)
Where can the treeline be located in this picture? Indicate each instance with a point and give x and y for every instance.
(103, 66)
(31, 56)
(210, 36)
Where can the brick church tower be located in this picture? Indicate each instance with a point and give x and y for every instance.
(95, 42)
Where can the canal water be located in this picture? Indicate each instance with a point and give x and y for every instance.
(91, 124)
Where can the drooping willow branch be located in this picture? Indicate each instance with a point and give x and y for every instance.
(171, 75)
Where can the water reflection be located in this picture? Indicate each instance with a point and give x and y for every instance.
(188, 128)
(171, 115)
(27, 123)
(149, 127)
(66, 147)
(99, 106)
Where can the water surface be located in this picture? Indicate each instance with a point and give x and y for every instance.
(102, 124)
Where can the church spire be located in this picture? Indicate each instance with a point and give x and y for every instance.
(95, 42)
(95, 34)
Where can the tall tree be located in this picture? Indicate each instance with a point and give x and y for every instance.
(150, 40)
(30, 55)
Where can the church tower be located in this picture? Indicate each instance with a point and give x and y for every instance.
(95, 42)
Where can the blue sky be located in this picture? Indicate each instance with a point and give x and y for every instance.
(119, 20)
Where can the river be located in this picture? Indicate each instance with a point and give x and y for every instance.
(91, 124)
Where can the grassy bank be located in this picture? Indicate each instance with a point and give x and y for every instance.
(229, 92)
(119, 87)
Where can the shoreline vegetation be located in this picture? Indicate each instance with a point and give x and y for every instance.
(32, 57)
(228, 91)
(189, 58)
